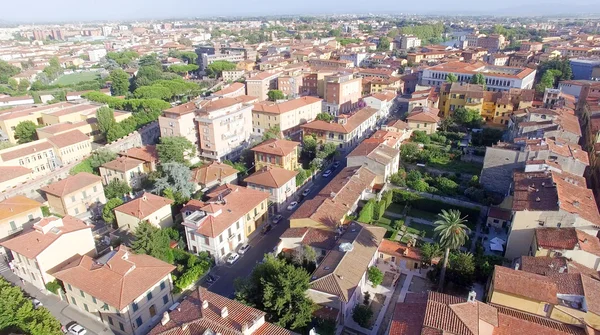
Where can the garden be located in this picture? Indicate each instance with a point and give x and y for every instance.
(76, 77)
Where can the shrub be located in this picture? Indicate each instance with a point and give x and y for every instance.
(421, 137)
(375, 276)
(367, 298)
(398, 179)
(362, 314)
(418, 185)
(53, 286)
(397, 224)
(447, 186)
(433, 206)
(435, 137)
(378, 210)
(46, 211)
(366, 213)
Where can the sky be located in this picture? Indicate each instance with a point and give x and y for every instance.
(85, 10)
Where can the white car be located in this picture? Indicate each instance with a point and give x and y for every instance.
(76, 329)
(36, 303)
(326, 173)
(336, 164)
(233, 257)
(292, 205)
(306, 192)
(277, 218)
(243, 249)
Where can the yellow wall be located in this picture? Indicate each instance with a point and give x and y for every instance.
(256, 217)
(567, 315)
(592, 319)
(161, 218)
(8, 126)
(427, 127)
(308, 222)
(21, 220)
(135, 182)
(520, 303)
(288, 162)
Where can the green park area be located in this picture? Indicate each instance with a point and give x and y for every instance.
(74, 78)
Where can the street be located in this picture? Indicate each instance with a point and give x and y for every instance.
(226, 274)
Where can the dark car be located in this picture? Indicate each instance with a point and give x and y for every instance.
(267, 228)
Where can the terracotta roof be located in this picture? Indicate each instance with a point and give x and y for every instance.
(480, 67)
(567, 150)
(591, 288)
(198, 319)
(271, 176)
(514, 322)
(294, 232)
(341, 272)
(398, 124)
(408, 318)
(11, 172)
(575, 197)
(230, 89)
(276, 147)
(500, 213)
(118, 278)
(69, 138)
(541, 265)
(214, 171)
(380, 153)
(352, 122)
(394, 248)
(286, 106)
(24, 150)
(33, 241)
(424, 114)
(227, 205)
(525, 284)
(391, 138)
(16, 206)
(147, 153)
(71, 184)
(143, 206)
(183, 109)
(123, 164)
(319, 238)
(384, 96)
(207, 106)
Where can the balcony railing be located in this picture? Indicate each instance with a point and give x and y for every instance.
(14, 231)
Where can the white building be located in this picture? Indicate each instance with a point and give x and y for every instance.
(96, 55)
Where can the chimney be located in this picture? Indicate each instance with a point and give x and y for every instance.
(224, 312)
(204, 304)
(472, 296)
(244, 328)
(517, 266)
(165, 318)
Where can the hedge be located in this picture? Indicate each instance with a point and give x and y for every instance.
(433, 206)
(366, 214)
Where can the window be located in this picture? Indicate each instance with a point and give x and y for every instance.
(166, 299)
(138, 321)
(73, 301)
(30, 216)
(237, 225)
(82, 294)
(70, 288)
(95, 189)
(380, 255)
(110, 321)
(121, 326)
(192, 237)
(134, 306)
(84, 194)
(94, 300)
(222, 251)
(149, 296)
(85, 306)
(496, 221)
(162, 285)
(393, 259)
(206, 240)
(13, 225)
(72, 199)
(220, 238)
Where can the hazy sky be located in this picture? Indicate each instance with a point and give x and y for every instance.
(61, 10)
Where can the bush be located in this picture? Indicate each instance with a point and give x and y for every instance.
(418, 185)
(83, 166)
(378, 210)
(421, 137)
(447, 186)
(397, 224)
(375, 276)
(362, 315)
(190, 276)
(366, 213)
(433, 206)
(398, 179)
(367, 298)
(436, 137)
(53, 286)
(45, 211)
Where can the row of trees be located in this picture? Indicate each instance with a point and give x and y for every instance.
(6, 71)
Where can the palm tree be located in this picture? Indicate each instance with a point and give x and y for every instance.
(452, 233)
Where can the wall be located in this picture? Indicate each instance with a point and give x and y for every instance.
(161, 218)
(428, 128)
(22, 220)
(74, 152)
(520, 303)
(81, 203)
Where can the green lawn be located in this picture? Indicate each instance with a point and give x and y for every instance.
(419, 227)
(75, 78)
(456, 166)
(417, 213)
(396, 208)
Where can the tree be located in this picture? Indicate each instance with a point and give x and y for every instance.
(548, 80)
(116, 189)
(366, 213)
(273, 132)
(279, 289)
(175, 149)
(452, 234)
(100, 157)
(305, 254)
(398, 179)
(108, 213)
(478, 79)
(275, 95)
(421, 137)
(467, 117)
(301, 176)
(429, 251)
(384, 44)
(409, 151)
(183, 69)
(451, 78)
(176, 178)
(13, 84)
(23, 85)
(6, 71)
(106, 119)
(325, 117)
(215, 69)
(375, 276)
(149, 60)
(119, 82)
(185, 41)
(153, 241)
(309, 146)
(25, 132)
(362, 315)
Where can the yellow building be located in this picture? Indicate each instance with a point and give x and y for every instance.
(276, 152)
(456, 95)
(71, 146)
(149, 207)
(13, 176)
(424, 119)
(288, 115)
(16, 214)
(76, 194)
(38, 156)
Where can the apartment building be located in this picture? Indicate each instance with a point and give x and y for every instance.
(384, 102)
(71, 146)
(180, 121)
(278, 153)
(347, 131)
(571, 243)
(497, 78)
(231, 91)
(146, 153)
(331, 63)
(259, 85)
(88, 126)
(289, 84)
(51, 241)
(224, 127)
(288, 115)
(232, 75)
(38, 156)
(279, 183)
(128, 292)
(341, 93)
(533, 123)
(380, 159)
(498, 59)
(423, 119)
(313, 83)
(75, 195)
(13, 176)
(409, 42)
(215, 314)
(493, 43)
(531, 46)
(123, 168)
(232, 215)
(17, 213)
(150, 208)
(214, 174)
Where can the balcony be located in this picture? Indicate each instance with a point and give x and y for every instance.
(230, 237)
(14, 231)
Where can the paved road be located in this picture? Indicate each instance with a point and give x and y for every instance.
(226, 274)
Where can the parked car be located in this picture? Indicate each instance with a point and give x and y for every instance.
(76, 329)
(232, 258)
(36, 303)
(276, 218)
(292, 205)
(306, 192)
(267, 228)
(326, 174)
(336, 164)
(243, 249)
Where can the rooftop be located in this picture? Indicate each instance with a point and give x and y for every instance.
(215, 171)
(144, 206)
(123, 164)
(286, 106)
(16, 206)
(273, 177)
(69, 138)
(71, 184)
(351, 122)
(276, 147)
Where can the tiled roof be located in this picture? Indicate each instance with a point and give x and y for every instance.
(144, 206)
(117, 278)
(525, 284)
(147, 153)
(575, 197)
(381, 153)
(319, 238)
(33, 241)
(398, 124)
(24, 150)
(186, 108)
(514, 322)
(230, 89)
(424, 114)
(294, 232)
(123, 164)
(276, 147)
(215, 171)
(567, 150)
(286, 106)
(352, 122)
(71, 184)
(11, 172)
(69, 138)
(500, 213)
(271, 176)
(199, 319)
(16, 206)
(398, 249)
(591, 288)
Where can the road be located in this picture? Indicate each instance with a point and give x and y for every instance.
(226, 274)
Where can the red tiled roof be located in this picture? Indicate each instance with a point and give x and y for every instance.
(146, 153)
(398, 249)
(215, 171)
(71, 184)
(271, 176)
(143, 206)
(525, 284)
(69, 138)
(276, 147)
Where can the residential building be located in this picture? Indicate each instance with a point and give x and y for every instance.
(409, 42)
(75, 195)
(150, 208)
(295, 239)
(340, 280)
(38, 156)
(231, 217)
(531, 46)
(258, 86)
(224, 127)
(498, 217)
(146, 153)
(50, 242)
(180, 121)
(13, 176)
(290, 84)
(400, 255)
(128, 292)
(396, 127)
(390, 138)
(205, 312)
(498, 59)
(288, 115)
(460, 95)
(71, 146)
(347, 131)
(427, 97)
(423, 119)
(17, 213)
(384, 102)
(549, 199)
(214, 174)
(380, 159)
(232, 91)
(123, 168)
(341, 93)
(533, 123)
(497, 78)
(279, 183)
(276, 152)
(331, 63)
(585, 68)
(232, 75)
(570, 243)
(329, 209)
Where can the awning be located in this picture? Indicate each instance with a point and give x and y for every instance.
(496, 247)
(497, 240)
